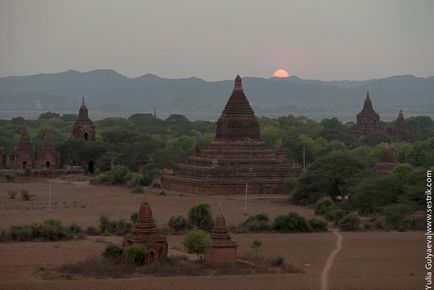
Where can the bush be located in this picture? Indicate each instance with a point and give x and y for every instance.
(197, 242)
(134, 217)
(25, 195)
(292, 222)
(134, 180)
(256, 223)
(350, 222)
(162, 193)
(317, 225)
(74, 228)
(200, 217)
(48, 230)
(21, 233)
(256, 245)
(91, 230)
(10, 176)
(178, 223)
(27, 171)
(103, 223)
(112, 251)
(136, 253)
(368, 226)
(12, 194)
(278, 261)
(324, 205)
(147, 179)
(395, 216)
(137, 189)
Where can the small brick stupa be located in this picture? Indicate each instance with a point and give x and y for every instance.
(368, 121)
(388, 161)
(48, 156)
(400, 130)
(237, 159)
(83, 127)
(146, 233)
(223, 249)
(23, 155)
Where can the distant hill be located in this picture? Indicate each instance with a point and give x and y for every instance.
(110, 93)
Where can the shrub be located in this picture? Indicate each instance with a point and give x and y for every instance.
(12, 194)
(91, 230)
(134, 217)
(21, 233)
(27, 171)
(178, 223)
(134, 180)
(368, 226)
(256, 245)
(278, 261)
(256, 223)
(292, 222)
(3, 235)
(112, 251)
(350, 222)
(25, 195)
(137, 189)
(200, 217)
(162, 193)
(103, 223)
(147, 179)
(197, 242)
(317, 225)
(74, 228)
(136, 254)
(324, 205)
(10, 176)
(395, 216)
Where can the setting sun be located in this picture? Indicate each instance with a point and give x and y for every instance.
(281, 73)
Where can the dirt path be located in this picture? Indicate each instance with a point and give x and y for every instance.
(330, 260)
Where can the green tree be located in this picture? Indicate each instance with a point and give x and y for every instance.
(200, 217)
(256, 245)
(197, 242)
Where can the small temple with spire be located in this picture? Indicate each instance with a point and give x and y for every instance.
(223, 249)
(83, 127)
(368, 120)
(400, 130)
(146, 233)
(236, 161)
(388, 161)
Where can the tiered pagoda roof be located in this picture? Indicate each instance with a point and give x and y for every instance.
(237, 157)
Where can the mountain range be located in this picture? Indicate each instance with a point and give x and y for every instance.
(109, 93)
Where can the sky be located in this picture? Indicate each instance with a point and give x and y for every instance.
(216, 40)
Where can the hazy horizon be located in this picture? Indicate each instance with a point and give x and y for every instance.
(325, 40)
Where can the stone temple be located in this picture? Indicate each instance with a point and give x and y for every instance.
(223, 249)
(145, 232)
(400, 130)
(83, 127)
(237, 159)
(368, 121)
(388, 161)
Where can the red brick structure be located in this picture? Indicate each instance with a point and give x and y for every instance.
(236, 159)
(223, 249)
(368, 121)
(146, 233)
(23, 156)
(83, 126)
(388, 161)
(400, 130)
(48, 156)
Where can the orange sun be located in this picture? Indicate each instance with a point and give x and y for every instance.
(280, 73)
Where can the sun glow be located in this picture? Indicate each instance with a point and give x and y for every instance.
(281, 73)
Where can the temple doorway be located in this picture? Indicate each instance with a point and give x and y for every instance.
(86, 136)
(47, 164)
(24, 164)
(91, 167)
(151, 257)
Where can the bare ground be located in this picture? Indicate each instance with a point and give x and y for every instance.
(381, 260)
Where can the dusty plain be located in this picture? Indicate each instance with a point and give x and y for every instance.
(368, 260)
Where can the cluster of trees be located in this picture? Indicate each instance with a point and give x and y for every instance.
(337, 162)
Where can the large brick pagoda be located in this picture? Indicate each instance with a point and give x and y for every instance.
(236, 159)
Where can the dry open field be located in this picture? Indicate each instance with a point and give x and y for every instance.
(382, 260)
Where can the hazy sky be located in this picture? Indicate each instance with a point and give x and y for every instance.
(214, 40)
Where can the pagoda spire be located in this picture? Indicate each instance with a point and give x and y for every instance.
(367, 105)
(83, 113)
